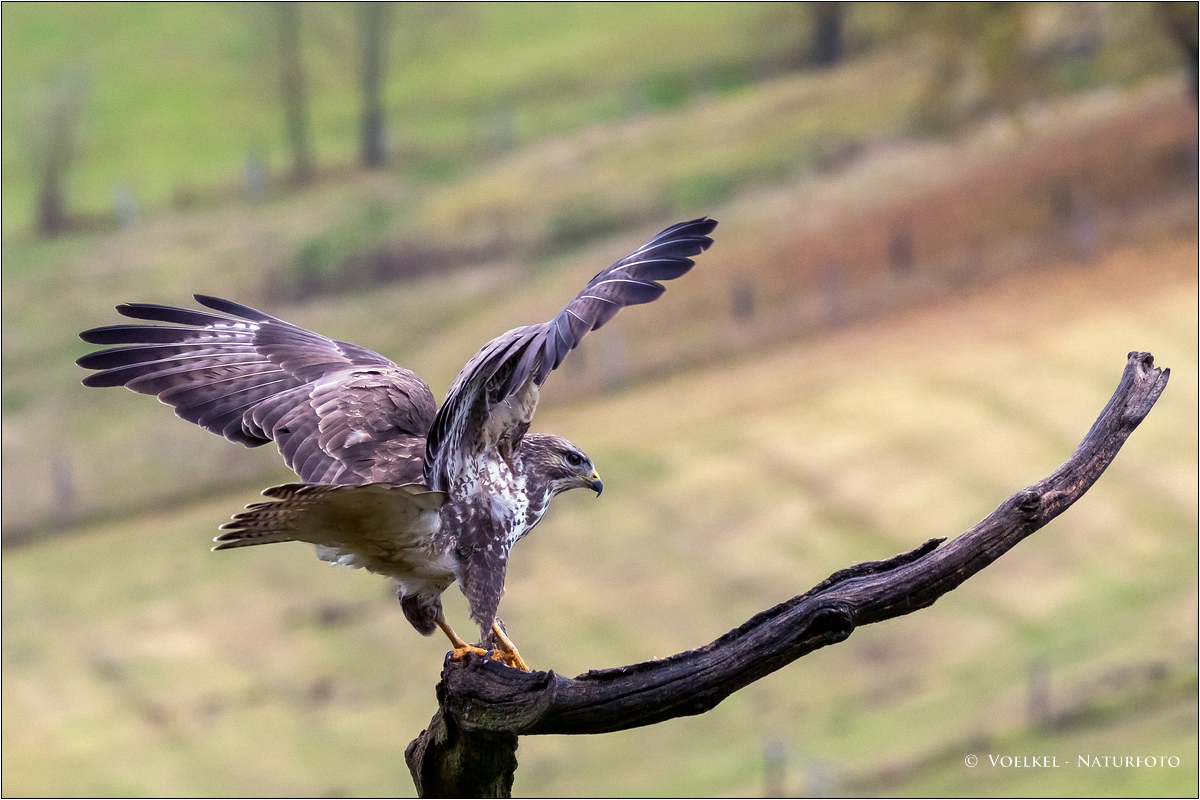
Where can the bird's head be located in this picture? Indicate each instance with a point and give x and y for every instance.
(560, 463)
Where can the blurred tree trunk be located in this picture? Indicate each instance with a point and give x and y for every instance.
(1183, 23)
(373, 19)
(937, 109)
(52, 215)
(981, 40)
(295, 96)
(1011, 78)
(53, 149)
(828, 34)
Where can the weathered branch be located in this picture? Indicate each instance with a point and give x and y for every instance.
(484, 705)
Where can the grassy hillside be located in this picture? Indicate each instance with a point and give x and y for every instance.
(173, 98)
(891, 335)
(813, 248)
(135, 662)
(176, 97)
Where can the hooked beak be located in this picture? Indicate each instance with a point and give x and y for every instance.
(595, 484)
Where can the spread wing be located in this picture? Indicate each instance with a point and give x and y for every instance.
(493, 398)
(339, 413)
(387, 528)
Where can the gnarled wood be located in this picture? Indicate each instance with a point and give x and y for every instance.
(470, 747)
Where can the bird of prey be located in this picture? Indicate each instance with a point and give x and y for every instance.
(389, 482)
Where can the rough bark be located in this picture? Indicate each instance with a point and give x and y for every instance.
(447, 762)
(470, 746)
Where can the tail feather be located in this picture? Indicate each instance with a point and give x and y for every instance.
(379, 519)
(260, 523)
(230, 541)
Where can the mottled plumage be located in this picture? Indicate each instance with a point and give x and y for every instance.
(391, 484)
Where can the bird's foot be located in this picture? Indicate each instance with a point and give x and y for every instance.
(465, 650)
(505, 651)
(511, 658)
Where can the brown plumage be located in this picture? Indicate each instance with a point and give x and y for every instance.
(391, 484)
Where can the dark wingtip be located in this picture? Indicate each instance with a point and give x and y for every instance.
(109, 334)
(695, 230)
(100, 380)
(700, 226)
(210, 301)
(230, 307)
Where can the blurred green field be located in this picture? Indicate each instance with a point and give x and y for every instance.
(137, 663)
(178, 95)
(858, 410)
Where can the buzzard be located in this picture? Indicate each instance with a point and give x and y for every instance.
(390, 483)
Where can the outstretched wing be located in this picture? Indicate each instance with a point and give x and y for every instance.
(339, 413)
(385, 527)
(494, 396)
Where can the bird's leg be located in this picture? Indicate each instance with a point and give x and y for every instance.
(508, 651)
(461, 648)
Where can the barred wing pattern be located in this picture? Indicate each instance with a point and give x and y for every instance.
(493, 398)
(339, 413)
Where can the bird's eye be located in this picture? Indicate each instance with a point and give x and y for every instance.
(574, 459)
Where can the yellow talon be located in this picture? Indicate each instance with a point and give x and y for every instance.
(466, 650)
(507, 654)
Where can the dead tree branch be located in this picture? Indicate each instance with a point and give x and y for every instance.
(469, 748)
